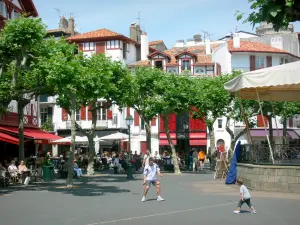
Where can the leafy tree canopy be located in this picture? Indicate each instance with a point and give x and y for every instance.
(278, 12)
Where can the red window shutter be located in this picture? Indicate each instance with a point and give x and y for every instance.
(80, 47)
(136, 119)
(291, 124)
(127, 111)
(260, 122)
(153, 122)
(64, 115)
(89, 113)
(269, 61)
(83, 113)
(161, 124)
(109, 114)
(252, 62)
(100, 47)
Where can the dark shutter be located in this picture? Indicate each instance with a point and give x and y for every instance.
(136, 119)
(89, 113)
(83, 113)
(109, 114)
(269, 61)
(153, 122)
(252, 62)
(50, 111)
(127, 111)
(64, 115)
(100, 47)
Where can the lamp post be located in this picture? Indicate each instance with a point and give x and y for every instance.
(129, 122)
(186, 134)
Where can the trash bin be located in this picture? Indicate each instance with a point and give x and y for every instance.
(48, 173)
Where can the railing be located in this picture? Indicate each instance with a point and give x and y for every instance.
(259, 154)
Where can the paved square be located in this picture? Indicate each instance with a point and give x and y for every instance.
(111, 199)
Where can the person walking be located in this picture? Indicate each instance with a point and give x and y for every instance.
(150, 172)
(195, 159)
(245, 197)
(201, 157)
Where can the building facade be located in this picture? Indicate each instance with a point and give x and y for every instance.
(14, 8)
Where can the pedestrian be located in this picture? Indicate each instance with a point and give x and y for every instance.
(146, 158)
(201, 157)
(245, 197)
(150, 172)
(195, 159)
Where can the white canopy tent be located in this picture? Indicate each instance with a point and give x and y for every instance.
(115, 136)
(278, 83)
(78, 140)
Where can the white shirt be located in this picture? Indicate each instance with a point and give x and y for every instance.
(150, 172)
(157, 157)
(244, 190)
(146, 158)
(12, 168)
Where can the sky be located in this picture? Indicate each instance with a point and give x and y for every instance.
(167, 20)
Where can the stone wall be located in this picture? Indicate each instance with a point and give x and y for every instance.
(270, 178)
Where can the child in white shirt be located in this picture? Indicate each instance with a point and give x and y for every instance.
(245, 197)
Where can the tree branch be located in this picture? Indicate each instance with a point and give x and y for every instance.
(228, 129)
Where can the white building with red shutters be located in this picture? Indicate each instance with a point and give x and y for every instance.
(120, 48)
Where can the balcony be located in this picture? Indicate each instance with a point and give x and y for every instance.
(101, 124)
(45, 99)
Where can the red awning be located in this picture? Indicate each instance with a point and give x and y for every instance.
(9, 139)
(39, 136)
(164, 135)
(197, 135)
(198, 142)
(165, 142)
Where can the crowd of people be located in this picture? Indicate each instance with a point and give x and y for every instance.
(16, 172)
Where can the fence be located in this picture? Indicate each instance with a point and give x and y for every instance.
(259, 154)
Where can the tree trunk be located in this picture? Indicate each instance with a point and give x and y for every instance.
(212, 139)
(91, 136)
(21, 129)
(174, 157)
(270, 130)
(148, 135)
(73, 136)
(284, 139)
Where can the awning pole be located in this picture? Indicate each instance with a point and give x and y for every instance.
(263, 119)
(275, 119)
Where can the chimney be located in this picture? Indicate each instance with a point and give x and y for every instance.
(207, 47)
(144, 46)
(236, 40)
(139, 33)
(63, 23)
(71, 26)
(135, 32)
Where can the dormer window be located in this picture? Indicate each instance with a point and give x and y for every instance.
(186, 64)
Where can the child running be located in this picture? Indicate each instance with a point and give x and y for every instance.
(150, 178)
(245, 197)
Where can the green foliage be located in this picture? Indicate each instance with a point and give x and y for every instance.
(48, 125)
(280, 12)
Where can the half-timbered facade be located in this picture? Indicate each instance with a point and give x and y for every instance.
(11, 9)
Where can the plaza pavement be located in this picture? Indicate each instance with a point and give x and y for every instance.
(192, 198)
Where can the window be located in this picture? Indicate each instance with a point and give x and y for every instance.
(115, 44)
(186, 64)
(259, 62)
(44, 114)
(3, 10)
(220, 123)
(89, 46)
(16, 15)
(142, 124)
(124, 50)
(77, 115)
(159, 64)
(101, 112)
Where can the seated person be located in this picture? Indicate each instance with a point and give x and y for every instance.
(13, 170)
(23, 171)
(2, 170)
(77, 169)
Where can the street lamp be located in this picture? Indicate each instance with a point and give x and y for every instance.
(129, 122)
(186, 134)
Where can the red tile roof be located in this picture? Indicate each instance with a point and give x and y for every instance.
(155, 42)
(248, 46)
(140, 63)
(102, 34)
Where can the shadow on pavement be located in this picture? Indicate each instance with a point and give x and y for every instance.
(85, 186)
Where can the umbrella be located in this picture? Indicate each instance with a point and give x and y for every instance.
(278, 83)
(78, 140)
(115, 136)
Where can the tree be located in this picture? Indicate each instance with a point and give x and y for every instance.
(278, 12)
(65, 76)
(140, 95)
(21, 44)
(211, 101)
(173, 97)
(101, 81)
